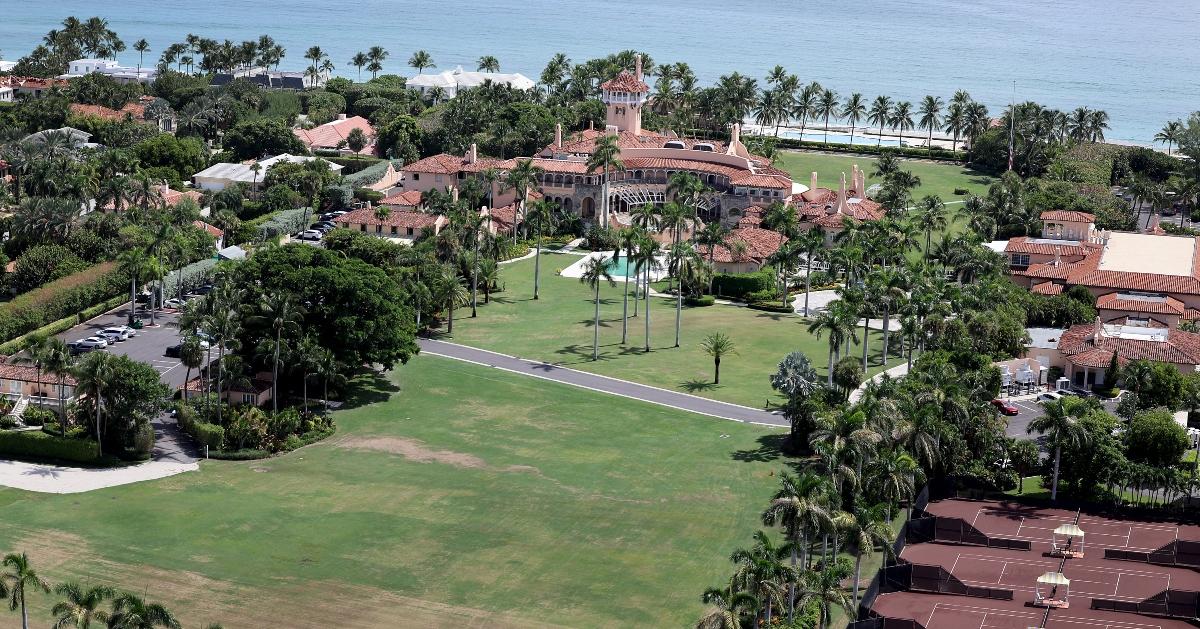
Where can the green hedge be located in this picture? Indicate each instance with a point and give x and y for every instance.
(368, 175)
(238, 455)
(738, 285)
(938, 154)
(770, 306)
(59, 305)
(36, 444)
(699, 302)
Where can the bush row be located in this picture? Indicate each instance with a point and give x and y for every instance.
(699, 302)
(371, 173)
(68, 297)
(738, 285)
(36, 444)
(770, 306)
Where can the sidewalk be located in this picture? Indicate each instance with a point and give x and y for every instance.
(56, 479)
(894, 372)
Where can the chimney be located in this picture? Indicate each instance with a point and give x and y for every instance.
(558, 135)
(735, 137)
(591, 125)
(341, 116)
(473, 155)
(1057, 256)
(812, 181)
(454, 193)
(1098, 336)
(841, 200)
(637, 64)
(611, 129)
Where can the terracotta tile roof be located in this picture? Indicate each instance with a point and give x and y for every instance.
(135, 111)
(584, 142)
(561, 166)
(328, 135)
(1025, 244)
(408, 198)
(503, 218)
(29, 373)
(625, 82)
(30, 83)
(1047, 288)
(816, 210)
(1149, 282)
(440, 164)
(396, 218)
(1119, 301)
(760, 244)
(752, 180)
(1078, 344)
(171, 198)
(1191, 314)
(1142, 321)
(665, 163)
(1068, 216)
(211, 229)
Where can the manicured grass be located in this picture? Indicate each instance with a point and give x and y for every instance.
(938, 178)
(456, 495)
(557, 329)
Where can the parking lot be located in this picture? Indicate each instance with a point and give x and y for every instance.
(148, 346)
(1030, 409)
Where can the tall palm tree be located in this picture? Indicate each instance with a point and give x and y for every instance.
(799, 507)
(133, 262)
(315, 56)
(281, 316)
(827, 106)
(595, 273)
(627, 240)
(955, 122)
(543, 215)
(853, 111)
(421, 60)
(810, 243)
(522, 178)
(375, 58)
(866, 528)
(488, 63)
(80, 608)
(1062, 424)
(94, 375)
(880, 115)
(726, 611)
(605, 157)
(824, 587)
(760, 573)
(1170, 134)
(647, 262)
(901, 119)
(931, 118)
(450, 292)
(141, 46)
(893, 474)
(359, 60)
(889, 286)
(806, 104)
(132, 612)
(18, 579)
(326, 367)
(57, 359)
(838, 320)
(931, 216)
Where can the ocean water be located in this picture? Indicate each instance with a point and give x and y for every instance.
(1133, 58)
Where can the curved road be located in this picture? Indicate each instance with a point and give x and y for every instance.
(603, 384)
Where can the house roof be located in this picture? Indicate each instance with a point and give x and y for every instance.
(1047, 288)
(232, 252)
(1079, 345)
(1049, 247)
(213, 230)
(408, 198)
(241, 172)
(440, 164)
(29, 373)
(330, 134)
(1149, 304)
(760, 244)
(625, 82)
(1068, 216)
(459, 78)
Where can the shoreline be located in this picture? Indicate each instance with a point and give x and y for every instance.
(813, 133)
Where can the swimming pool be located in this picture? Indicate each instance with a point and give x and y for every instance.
(620, 267)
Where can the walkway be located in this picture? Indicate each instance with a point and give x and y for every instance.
(603, 384)
(894, 372)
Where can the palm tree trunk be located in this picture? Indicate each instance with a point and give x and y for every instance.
(596, 324)
(450, 320)
(325, 395)
(830, 376)
(1057, 460)
(475, 279)
(625, 304)
(807, 284)
(866, 344)
(304, 386)
(886, 333)
(132, 297)
(857, 572)
(537, 263)
(716, 370)
(275, 375)
(99, 443)
(678, 311)
(647, 293)
(24, 611)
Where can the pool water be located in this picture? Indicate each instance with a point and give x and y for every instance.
(620, 267)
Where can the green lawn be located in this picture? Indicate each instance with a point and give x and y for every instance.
(938, 178)
(558, 329)
(453, 495)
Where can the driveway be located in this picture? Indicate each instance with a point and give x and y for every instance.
(1030, 409)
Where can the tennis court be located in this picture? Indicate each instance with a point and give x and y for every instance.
(954, 616)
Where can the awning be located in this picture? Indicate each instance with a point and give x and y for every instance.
(1054, 578)
(1069, 530)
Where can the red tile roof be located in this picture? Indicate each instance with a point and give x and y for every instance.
(211, 229)
(625, 82)
(440, 164)
(752, 180)
(395, 218)
(29, 373)
(1024, 244)
(328, 135)
(812, 207)
(30, 83)
(1117, 301)
(1068, 216)
(760, 244)
(1047, 288)
(1078, 344)
(408, 198)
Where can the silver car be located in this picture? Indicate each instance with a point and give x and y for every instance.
(115, 334)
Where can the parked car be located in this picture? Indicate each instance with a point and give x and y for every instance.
(88, 344)
(174, 302)
(129, 332)
(329, 216)
(204, 290)
(1049, 396)
(173, 351)
(324, 227)
(112, 335)
(1005, 408)
(310, 234)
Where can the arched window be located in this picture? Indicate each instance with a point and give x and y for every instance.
(588, 208)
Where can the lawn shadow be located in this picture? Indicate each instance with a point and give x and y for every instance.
(697, 386)
(770, 448)
(774, 316)
(368, 387)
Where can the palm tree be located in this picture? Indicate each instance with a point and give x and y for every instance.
(605, 157)
(191, 354)
(888, 286)
(421, 60)
(726, 611)
(880, 115)
(225, 326)
(131, 612)
(894, 476)
(326, 367)
(81, 607)
(450, 292)
(315, 55)
(931, 216)
(838, 320)
(141, 46)
(94, 375)
(854, 111)
(955, 122)
(543, 214)
(1060, 421)
(133, 261)
(1170, 134)
(718, 345)
(646, 259)
(866, 528)
(627, 240)
(901, 119)
(825, 588)
(359, 60)
(826, 107)
(277, 312)
(809, 243)
(522, 178)
(375, 58)
(931, 117)
(760, 574)
(57, 359)
(799, 507)
(595, 272)
(18, 577)
(488, 63)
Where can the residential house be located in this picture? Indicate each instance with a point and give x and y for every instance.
(1086, 350)
(22, 381)
(217, 233)
(252, 392)
(112, 69)
(331, 135)
(404, 225)
(31, 86)
(222, 175)
(451, 82)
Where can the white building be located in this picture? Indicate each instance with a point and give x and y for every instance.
(121, 74)
(220, 176)
(7, 95)
(451, 81)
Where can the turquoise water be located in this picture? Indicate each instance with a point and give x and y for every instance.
(621, 268)
(1132, 58)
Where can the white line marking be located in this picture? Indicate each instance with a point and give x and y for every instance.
(1118, 585)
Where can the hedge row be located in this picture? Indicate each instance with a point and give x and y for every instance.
(36, 444)
(64, 298)
(738, 285)
(770, 306)
(938, 154)
(365, 175)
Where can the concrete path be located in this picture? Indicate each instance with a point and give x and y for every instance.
(571, 246)
(894, 372)
(56, 479)
(603, 384)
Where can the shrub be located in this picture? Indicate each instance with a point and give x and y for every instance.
(961, 191)
(699, 302)
(281, 223)
(41, 264)
(939, 154)
(372, 173)
(206, 434)
(61, 298)
(367, 194)
(8, 422)
(738, 285)
(766, 294)
(39, 445)
(601, 239)
(821, 278)
(238, 455)
(770, 306)
(38, 416)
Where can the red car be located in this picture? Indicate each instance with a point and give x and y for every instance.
(1004, 407)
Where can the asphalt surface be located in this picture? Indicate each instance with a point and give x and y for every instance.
(1029, 410)
(149, 346)
(603, 384)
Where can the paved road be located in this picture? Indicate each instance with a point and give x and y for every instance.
(654, 395)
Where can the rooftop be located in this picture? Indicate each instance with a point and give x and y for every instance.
(1149, 253)
(1044, 338)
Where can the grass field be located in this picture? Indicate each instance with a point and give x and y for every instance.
(558, 329)
(453, 495)
(936, 177)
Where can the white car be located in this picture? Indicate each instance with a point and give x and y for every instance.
(310, 234)
(129, 332)
(173, 303)
(1049, 396)
(112, 335)
(92, 342)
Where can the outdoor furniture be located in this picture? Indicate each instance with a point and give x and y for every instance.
(1052, 581)
(1067, 541)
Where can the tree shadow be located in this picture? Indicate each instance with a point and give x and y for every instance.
(770, 448)
(697, 386)
(588, 323)
(368, 387)
(774, 316)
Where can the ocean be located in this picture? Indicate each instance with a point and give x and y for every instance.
(1131, 58)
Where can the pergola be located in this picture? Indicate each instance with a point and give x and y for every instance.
(1067, 541)
(1052, 581)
